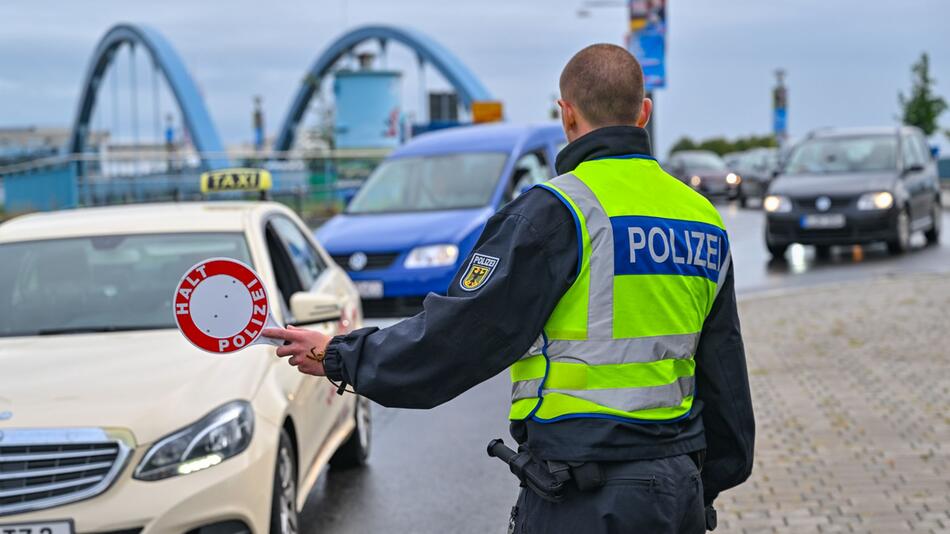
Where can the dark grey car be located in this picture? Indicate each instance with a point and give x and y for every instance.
(843, 187)
(705, 172)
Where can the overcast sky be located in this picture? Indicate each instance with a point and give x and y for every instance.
(846, 59)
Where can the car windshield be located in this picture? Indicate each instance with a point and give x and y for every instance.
(844, 154)
(450, 181)
(102, 283)
(702, 161)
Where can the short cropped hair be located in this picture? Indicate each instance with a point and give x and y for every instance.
(605, 84)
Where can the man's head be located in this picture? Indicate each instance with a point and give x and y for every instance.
(602, 85)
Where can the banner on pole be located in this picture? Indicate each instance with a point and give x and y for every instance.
(647, 40)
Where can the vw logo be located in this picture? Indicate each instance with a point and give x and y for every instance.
(823, 203)
(357, 261)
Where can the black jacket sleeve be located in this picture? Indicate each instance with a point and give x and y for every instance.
(722, 385)
(466, 337)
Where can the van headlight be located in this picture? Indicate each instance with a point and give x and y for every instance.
(777, 204)
(733, 178)
(876, 201)
(432, 256)
(216, 437)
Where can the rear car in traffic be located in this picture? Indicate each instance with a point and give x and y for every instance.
(705, 172)
(855, 186)
(113, 422)
(756, 168)
(421, 211)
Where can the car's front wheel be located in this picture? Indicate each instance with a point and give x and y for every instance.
(355, 451)
(901, 241)
(283, 514)
(933, 234)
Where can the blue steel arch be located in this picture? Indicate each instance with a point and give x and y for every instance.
(193, 109)
(469, 88)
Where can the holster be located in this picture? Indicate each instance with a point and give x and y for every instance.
(532, 473)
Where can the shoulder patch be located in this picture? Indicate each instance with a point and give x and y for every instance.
(479, 270)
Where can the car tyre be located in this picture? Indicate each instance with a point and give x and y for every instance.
(933, 234)
(355, 451)
(743, 201)
(283, 515)
(777, 250)
(901, 241)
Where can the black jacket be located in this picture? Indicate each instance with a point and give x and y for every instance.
(430, 358)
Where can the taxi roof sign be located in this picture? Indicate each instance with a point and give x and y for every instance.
(236, 179)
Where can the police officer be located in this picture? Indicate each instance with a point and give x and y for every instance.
(608, 293)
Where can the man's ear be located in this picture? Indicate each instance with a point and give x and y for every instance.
(646, 109)
(568, 118)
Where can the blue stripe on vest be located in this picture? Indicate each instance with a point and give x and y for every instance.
(654, 245)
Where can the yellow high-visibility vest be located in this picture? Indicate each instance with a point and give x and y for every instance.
(621, 342)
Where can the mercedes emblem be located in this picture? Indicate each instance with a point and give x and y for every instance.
(823, 203)
(357, 261)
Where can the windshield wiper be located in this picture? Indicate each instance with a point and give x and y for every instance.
(94, 329)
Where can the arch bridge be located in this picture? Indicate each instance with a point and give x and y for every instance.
(427, 50)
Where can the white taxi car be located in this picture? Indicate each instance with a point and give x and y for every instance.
(111, 422)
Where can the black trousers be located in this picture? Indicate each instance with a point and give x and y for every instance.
(663, 496)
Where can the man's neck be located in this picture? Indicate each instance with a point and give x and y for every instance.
(610, 141)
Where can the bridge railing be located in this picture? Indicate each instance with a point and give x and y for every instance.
(315, 184)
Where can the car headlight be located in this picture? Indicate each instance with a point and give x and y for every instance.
(695, 181)
(218, 436)
(876, 201)
(432, 256)
(733, 178)
(777, 204)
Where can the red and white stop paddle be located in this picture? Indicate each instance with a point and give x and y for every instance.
(221, 306)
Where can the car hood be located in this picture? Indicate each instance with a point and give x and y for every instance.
(842, 184)
(151, 383)
(393, 232)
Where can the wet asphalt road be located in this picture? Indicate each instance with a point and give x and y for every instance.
(428, 470)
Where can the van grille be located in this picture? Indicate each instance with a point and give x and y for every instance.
(376, 260)
(45, 468)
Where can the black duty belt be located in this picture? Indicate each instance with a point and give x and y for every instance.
(548, 478)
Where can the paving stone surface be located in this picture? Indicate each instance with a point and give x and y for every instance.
(852, 396)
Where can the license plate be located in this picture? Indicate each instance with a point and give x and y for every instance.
(368, 289)
(831, 220)
(49, 527)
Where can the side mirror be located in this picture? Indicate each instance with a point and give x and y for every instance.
(916, 167)
(309, 308)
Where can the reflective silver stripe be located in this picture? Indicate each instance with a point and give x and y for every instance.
(723, 269)
(526, 389)
(535, 348)
(600, 306)
(630, 350)
(635, 399)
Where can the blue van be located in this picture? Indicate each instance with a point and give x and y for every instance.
(420, 212)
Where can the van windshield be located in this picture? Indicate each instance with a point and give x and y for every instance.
(443, 182)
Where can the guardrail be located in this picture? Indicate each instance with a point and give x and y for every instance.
(314, 184)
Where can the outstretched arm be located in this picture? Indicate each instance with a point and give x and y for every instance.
(526, 259)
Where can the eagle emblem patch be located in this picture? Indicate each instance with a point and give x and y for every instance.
(479, 270)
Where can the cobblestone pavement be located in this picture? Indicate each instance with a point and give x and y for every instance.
(851, 395)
